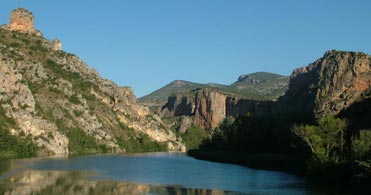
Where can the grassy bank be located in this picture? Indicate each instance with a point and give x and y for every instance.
(269, 161)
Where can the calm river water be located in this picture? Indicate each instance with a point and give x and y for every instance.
(137, 174)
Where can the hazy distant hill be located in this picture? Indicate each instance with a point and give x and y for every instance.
(256, 86)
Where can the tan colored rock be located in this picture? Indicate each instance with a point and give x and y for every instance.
(210, 109)
(21, 109)
(47, 99)
(328, 85)
(56, 45)
(22, 20)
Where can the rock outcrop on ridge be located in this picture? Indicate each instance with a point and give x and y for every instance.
(331, 85)
(55, 98)
(328, 85)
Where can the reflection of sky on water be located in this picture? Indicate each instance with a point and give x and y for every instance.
(165, 169)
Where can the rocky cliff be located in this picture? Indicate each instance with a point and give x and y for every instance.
(212, 107)
(255, 86)
(55, 98)
(207, 108)
(337, 82)
(329, 85)
(158, 98)
(178, 105)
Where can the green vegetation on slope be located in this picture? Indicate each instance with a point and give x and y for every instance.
(256, 86)
(159, 97)
(323, 151)
(138, 142)
(10, 145)
(253, 134)
(193, 137)
(75, 91)
(27, 44)
(267, 85)
(81, 143)
(334, 156)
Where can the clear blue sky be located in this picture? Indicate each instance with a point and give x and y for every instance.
(148, 43)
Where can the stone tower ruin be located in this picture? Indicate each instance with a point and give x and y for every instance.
(22, 20)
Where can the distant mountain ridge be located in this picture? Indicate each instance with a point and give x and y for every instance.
(336, 84)
(159, 97)
(255, 86)
(268, 85)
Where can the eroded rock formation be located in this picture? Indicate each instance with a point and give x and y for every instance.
(53, 95)
(326, 87)
(56, 45)
(179, 105)
(207, 108)
(329, 85)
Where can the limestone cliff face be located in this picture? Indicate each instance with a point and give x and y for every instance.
(329, 85)
(179, 105)
(17, 99)
(208, 108)
(212, 107)
(50, 93)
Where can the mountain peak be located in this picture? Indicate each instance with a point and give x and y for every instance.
(179, 83)
(257, 77)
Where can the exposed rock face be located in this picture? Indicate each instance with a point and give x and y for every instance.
(179, 105)
(185, 122)
(210, 108)
(50, 93)
(328, 85)
(255, 86)
(56, 45)
(21, 107)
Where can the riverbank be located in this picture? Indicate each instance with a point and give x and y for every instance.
(279, 162)
(268, 161)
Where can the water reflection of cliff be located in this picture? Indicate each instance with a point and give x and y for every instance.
(62, 182)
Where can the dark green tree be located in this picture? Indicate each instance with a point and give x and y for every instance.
(326, 140)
